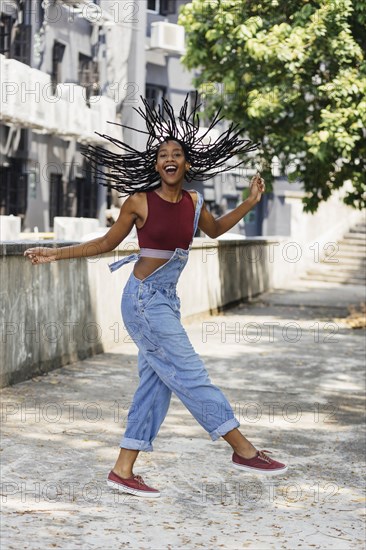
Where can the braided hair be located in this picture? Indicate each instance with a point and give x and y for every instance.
(133, 170)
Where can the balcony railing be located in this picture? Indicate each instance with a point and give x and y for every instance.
(28, 101)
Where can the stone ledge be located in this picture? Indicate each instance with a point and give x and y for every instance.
(14, 248)
(17, 248)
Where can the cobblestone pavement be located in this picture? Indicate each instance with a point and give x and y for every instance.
(294, 373)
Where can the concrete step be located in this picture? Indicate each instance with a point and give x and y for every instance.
(335, 281)
(344, 257)
(338, 258)
(355, 236)
(334, 278)
(352, 243)
(359, 228)
(351, 254)
(341, 271)
(337, 267)
(347, 265)
(351, 263)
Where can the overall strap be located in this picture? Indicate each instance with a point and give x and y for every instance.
(123, 261)
(197, 214)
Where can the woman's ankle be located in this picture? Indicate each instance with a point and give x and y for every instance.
(124, 463)
(122, 472)
(245, 451)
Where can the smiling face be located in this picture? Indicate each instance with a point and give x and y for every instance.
(171, 162)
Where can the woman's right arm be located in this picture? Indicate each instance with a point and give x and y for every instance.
(101, 245)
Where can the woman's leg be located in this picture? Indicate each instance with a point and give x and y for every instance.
(147, 412)
(240, 444)
(168, 361)
(170, 354)
(124, 464)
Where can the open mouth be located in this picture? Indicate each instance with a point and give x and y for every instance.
(170, 169)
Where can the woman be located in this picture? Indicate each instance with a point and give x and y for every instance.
(166, 218)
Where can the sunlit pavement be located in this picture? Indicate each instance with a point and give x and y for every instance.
(294, 373)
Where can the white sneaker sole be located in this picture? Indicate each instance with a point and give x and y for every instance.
(259, 470)
(130, 491)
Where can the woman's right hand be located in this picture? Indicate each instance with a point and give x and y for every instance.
(40, 255)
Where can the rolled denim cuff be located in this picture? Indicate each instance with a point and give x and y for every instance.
(135, 444)
(224, 428)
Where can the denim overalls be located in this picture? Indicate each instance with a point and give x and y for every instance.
(166, 359)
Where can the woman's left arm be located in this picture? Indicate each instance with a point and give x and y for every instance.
(216, 227)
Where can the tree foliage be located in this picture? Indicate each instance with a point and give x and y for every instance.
(293, 73)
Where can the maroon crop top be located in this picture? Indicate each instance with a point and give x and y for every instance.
(169, 225)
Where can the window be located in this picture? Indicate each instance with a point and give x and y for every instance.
(21, 43)
(162, 7)
(13, 189)
(154, 94)
(231, 202)
(57, 56)
(88, 76)
(6, 24)
(15, 40)
(109, 197)
(56, 204)
(196, 100)
(168, 7)
(251, 217)
(40, 13)
(86, 194)
(153, 5)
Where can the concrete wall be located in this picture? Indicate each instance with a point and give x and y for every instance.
(317, 233)
(58, 313)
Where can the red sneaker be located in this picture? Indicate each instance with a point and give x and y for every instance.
(261, 464)
(134, 485)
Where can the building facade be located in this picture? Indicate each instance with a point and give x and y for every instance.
(67, 67)
(62, 78)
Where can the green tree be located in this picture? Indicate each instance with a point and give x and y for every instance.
(292, 73)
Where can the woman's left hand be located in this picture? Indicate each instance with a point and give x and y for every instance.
(256, 188)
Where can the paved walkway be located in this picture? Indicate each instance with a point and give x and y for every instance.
(294, 373)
